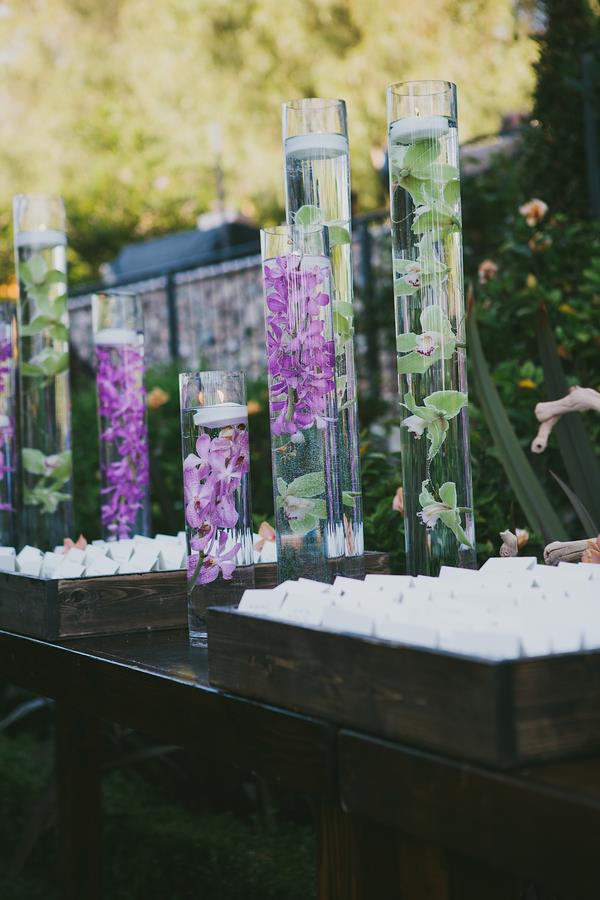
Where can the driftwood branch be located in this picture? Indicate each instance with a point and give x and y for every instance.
(564, 551)
(510, 544)
(577, 400)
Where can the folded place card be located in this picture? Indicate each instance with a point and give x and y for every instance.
(347, 621)
(261, 602)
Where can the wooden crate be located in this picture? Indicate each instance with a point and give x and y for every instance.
(501, 714)
(53, 609)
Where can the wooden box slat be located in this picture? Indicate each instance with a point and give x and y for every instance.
(500, 714)
(53, 609)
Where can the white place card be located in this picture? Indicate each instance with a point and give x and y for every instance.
(347, 621)
(302, 609)
(482, 644)
(260, 602)
(68, 569)
(498, 564)
(102, 565)
(392, 629)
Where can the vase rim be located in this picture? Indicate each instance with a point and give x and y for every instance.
(313, 102)
(438, 86)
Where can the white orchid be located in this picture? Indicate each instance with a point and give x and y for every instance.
(444, 510)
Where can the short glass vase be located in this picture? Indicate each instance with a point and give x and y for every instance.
(118, 328)
(216, 487)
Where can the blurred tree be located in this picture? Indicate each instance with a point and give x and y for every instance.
(112, 103)
(555, 159)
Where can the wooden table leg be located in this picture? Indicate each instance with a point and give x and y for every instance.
(361, 860)
(79, 803)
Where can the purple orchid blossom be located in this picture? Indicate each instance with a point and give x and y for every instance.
(300, 359)
(211, 478)
(7, 427)
(125, 466)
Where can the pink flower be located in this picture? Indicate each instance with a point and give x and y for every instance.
(220, 561)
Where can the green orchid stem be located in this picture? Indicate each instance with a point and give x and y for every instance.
(290, 405)
(201, 557)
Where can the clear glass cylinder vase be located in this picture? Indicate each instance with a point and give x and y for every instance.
(303, 409)
(8, 423)
(216, 485)
(45, 404)
(317, 191)
(118, 330)
(430, 325)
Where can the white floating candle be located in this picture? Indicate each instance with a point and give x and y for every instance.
(307, 145)
(418, 128)
(47, 237)
(220, 415)
(116, 337)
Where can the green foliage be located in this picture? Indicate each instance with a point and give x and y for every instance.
(153, 846)
(555, 158)
(115, 77)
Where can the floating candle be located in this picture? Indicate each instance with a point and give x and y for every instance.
(120, 337)
(305, 145)
(418, 128)
(220, 415)
(46, 237)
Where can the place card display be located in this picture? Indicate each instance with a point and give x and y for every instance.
(501, 666)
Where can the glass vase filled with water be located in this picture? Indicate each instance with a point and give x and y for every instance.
(8, 423)
(45, 406)
(317, 191)
(430, 325)
(303, 408)
(216, 485)
(118, 329)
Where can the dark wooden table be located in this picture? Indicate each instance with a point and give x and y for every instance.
(393, 821)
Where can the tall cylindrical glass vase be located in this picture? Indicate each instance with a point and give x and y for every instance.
(216, 486)
(317, 191)
(8, 423)
(302, 401)
(45, 404)
(118, 328)
(430, 325)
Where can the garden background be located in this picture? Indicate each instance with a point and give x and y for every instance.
(122, 106)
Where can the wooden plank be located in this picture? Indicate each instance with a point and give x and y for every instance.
(28, 605)
(448, 703)
(519, 823)
(79, 803)
(557, 705)
(121, 603)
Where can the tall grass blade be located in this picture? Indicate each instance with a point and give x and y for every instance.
(528, 490)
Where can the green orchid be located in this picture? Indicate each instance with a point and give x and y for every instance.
(50, 474)
(436, 341)
(301, 503)
(433, 417)
(47, 311)
(444, 510)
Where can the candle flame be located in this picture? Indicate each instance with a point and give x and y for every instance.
(221, 396)
(201, 398)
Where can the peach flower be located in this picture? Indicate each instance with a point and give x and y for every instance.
(534, 211)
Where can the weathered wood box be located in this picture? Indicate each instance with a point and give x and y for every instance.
(500, 714)
(53, 609)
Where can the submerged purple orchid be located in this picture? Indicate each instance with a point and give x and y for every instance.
(7, 428)
(124, 466)
(300, 357)
(212, 477)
